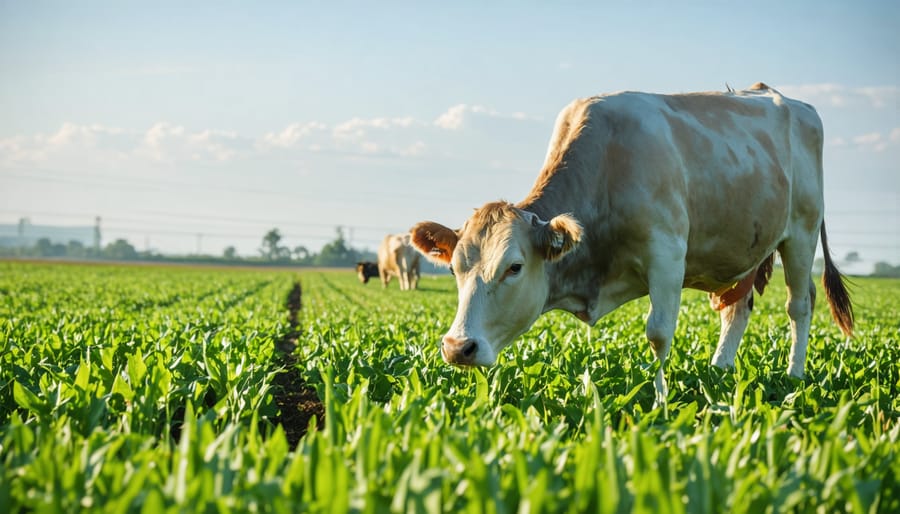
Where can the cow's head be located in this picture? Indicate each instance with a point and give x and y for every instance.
(366, 270)
(499, 259)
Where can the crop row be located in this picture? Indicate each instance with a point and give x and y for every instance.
(146, 389)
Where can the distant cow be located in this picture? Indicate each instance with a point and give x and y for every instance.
(366, 270)
(648, 194)
(396, 257)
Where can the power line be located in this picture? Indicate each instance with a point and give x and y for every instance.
(140, 185)
(232, 235)
(181, 218)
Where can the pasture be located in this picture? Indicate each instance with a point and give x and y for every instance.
(152, 389)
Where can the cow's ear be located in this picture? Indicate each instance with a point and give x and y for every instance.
(435, 241)
(557, 237)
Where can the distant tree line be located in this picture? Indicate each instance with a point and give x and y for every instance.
(336, 253)
(883, 269)
(120, 249)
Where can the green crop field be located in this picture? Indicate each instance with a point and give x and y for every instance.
(154, 389)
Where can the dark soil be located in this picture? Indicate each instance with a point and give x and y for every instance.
(297, 402)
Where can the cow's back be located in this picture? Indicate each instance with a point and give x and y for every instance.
(721, 173)
(718, 169)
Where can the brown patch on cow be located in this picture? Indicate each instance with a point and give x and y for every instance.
(691, 142)
(763, 274)
(563, 148)
(727, 296)
(714, 110)
(765, 141)
(756, 227)
(733, 156)
(434, 240)
(759, 86)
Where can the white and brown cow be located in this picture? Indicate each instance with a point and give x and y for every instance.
(397, 258)
(648, 194)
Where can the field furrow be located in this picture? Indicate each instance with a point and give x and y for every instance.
(145, 388)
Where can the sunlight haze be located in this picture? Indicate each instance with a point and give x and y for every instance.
(191, 126)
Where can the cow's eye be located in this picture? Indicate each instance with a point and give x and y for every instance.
(451, 270)
(515, 269)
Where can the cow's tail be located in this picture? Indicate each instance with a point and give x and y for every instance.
(836, 290)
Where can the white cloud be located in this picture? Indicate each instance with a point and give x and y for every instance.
(291, 135)
(417, 148)
(86, 135)
(98, 146)
(358, 127)
(881, 96)
(894, 136)
(454, 117)
(837, 95)
(213, 143)
(70, 141)
(837, 142)
(871, 138)
(870, 141)
(168, 143)
(457, 116)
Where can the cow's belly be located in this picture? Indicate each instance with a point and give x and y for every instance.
(728, 239)
(718, 264)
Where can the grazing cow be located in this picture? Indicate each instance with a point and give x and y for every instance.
(396, 257)
(366, 270)
(648, 194)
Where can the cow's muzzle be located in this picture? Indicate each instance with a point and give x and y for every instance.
(459, 352)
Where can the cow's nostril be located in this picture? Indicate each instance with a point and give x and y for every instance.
(470, 348)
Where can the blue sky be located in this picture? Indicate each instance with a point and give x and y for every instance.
(227, 119)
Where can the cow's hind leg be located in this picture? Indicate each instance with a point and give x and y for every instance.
(665, 298)
(797, 257)
(734, 322)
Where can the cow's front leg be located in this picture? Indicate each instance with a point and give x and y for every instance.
(665, 281)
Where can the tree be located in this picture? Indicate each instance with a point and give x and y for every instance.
(852, 257)
(301, 253)
(337, 253)
(121, 250)
(884, 269)
(75, 249)
(230, 253)
(270, 248)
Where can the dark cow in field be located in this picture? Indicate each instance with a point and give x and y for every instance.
(648, 194)
(366, 270)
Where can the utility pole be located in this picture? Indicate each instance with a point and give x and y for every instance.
(97, 234)
(23, 222)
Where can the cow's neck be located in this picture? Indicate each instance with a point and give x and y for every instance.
(575, 281)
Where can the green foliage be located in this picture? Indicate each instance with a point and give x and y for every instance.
(130, 389)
